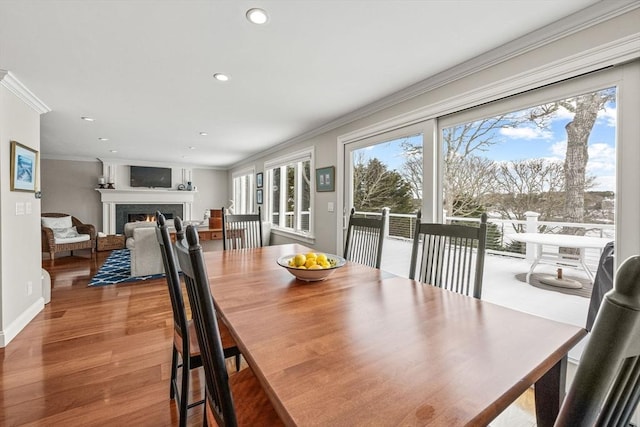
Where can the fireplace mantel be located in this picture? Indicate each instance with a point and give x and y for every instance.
(111, 198)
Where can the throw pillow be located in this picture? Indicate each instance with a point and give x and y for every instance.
(61, 222)
(65, 233)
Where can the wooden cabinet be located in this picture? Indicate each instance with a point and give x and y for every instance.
(215, 220)
(204, 234)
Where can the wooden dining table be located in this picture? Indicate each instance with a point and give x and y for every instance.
(365, 347)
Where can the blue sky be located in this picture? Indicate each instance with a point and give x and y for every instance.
(528, 142)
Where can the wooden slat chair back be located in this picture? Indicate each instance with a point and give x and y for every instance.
(241, 231)
(253, 408)
(606, 388)
(450, 256)
(182, 339)
(186, 351)
(365, 237)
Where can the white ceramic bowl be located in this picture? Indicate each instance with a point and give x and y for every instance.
(312, 275)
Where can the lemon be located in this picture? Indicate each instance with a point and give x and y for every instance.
(315, 267)
(325, 264)
(299, 260)
(310, 262)
(321, 258)
(311, 255)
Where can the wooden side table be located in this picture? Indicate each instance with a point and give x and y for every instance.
(111, 242)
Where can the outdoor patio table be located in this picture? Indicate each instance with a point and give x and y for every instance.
(560, 240)
(365, 347)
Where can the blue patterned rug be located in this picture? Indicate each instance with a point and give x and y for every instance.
(117, 269)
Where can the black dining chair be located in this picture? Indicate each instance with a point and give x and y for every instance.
(365, 237)
(186, 351)
(606, 388)
(251, 406)
(450, 256)
(241, 231)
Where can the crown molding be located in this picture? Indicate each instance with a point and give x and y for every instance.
(581, 20)
(16, 87)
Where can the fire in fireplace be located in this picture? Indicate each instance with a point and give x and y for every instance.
(134, 217)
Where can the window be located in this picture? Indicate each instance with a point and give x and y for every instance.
(289, 202)
(243, 190)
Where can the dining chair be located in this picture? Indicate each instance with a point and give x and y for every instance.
(186, 351)
(365, 237)
(606, 388)
(241, 231)
(450, 256)
(251, 406)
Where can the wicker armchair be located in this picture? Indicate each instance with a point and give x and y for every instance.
(48, 240)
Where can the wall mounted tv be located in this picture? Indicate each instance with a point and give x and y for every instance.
(143, 176)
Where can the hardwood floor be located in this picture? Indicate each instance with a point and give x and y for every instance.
(101, 356)
(95, 356)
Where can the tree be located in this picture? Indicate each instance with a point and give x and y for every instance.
(585, 110)
(469, 187)
(529, 185)
(459, 144)
(375, 187)
(412, 168)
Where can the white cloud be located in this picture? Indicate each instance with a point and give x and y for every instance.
(559, 149)
(609, 116)
(604, 183)
(602, 158)
(526, 133)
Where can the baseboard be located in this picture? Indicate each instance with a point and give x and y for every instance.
(19, 324)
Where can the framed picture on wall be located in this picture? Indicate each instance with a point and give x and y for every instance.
(259, 180)
(259, 196)
(24, 166)
(325, 179)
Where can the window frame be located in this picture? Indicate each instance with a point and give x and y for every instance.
(283, 163)
(247, 205)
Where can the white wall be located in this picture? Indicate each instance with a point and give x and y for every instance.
(212, 191)
(19, 234)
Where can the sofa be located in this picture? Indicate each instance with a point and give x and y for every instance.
(142, 242)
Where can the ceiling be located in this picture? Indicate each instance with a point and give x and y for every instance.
(143, 69)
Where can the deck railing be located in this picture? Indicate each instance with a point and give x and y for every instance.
(402, 226)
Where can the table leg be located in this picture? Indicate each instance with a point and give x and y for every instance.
(549, 393)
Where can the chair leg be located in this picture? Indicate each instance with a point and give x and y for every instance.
(52, 255)
(174, 371)
(184, 394)
(237, 362)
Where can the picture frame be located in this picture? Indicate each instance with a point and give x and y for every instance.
(24, 167)
(259, 180)
(325, 179)
(259, 196)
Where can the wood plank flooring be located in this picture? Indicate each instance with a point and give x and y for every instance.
(101, 356)
(95, 356)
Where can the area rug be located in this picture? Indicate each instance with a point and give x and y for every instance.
(534, 281)
(117, 269)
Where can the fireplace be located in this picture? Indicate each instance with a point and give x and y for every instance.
(144, 212)
(117, 205)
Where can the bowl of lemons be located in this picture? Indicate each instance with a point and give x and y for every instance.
(311, 266)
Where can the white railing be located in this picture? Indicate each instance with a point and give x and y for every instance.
(402, 226)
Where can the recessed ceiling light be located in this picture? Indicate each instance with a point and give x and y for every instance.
(89, 119)
(203, 134)
(114, 151)
(221, 77)
(257, 16)
(192, 148)
(103, 139)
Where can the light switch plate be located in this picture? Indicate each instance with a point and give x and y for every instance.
(330, 206)
(28, 208)
(19, 208)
